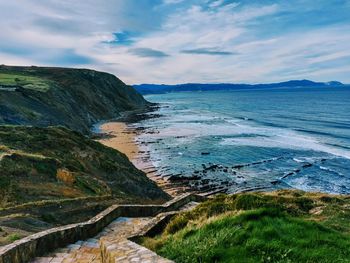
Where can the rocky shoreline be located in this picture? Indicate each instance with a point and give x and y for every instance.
(200, 181)
(209, 179)
(119, 134)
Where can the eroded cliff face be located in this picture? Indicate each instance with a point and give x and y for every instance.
(75, 98)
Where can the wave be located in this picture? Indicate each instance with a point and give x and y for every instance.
(192, 124)
(298, 160)
(317, 121)
(287, 140)
(322, 133)
(331, 170)
(312, 159)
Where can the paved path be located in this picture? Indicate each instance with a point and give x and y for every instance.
(116, 234)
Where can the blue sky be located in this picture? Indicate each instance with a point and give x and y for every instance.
(179, 41)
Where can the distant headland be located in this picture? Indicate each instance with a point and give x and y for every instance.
(161, 88)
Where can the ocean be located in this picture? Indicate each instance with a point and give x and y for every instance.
(252, 139)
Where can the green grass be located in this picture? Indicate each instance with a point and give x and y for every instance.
(27, 82)
(13, 237)
(273, 227)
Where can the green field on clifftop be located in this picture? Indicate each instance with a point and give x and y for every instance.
(283, 226)
(24, 81)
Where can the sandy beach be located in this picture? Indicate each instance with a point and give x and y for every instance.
(123, 138)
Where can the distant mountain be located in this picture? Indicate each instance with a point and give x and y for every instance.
(155, 88)
(75, 98)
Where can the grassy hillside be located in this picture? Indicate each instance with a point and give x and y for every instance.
(283, 226)
(54, 163)
(75, 98)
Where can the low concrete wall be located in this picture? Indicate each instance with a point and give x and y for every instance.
(22, 251)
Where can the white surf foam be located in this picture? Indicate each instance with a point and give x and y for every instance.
(288, 140)
(331, 170)
(189, 124)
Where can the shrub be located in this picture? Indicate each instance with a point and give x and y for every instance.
(13, 237)
(249, 201)
(49, 218)
(176, 224)
(305, 204)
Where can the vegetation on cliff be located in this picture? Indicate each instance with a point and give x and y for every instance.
(75, 98)
(282, 226)
(54, 176)
(53, 163)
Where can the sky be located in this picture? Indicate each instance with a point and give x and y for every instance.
(182, 41)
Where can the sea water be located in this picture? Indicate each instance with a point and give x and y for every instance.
(262, 139)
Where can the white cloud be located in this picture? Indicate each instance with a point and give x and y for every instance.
(169, 2)
(37, 31)
(216, 3)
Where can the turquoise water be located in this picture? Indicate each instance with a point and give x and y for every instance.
(268, 139)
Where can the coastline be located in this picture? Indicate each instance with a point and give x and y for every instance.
(181, 144)
(122, 137)
(119, 137)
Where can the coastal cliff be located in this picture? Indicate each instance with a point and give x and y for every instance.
(51, 172)
(75, 98)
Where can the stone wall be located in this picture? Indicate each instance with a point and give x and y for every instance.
(41, 207)
(22, 251)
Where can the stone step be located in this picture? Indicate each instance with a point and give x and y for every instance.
(112, 243)
(128, 251)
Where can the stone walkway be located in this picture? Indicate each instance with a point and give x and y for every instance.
(117, 232)
(115, 235)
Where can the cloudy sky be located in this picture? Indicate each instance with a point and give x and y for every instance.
(179, 41)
